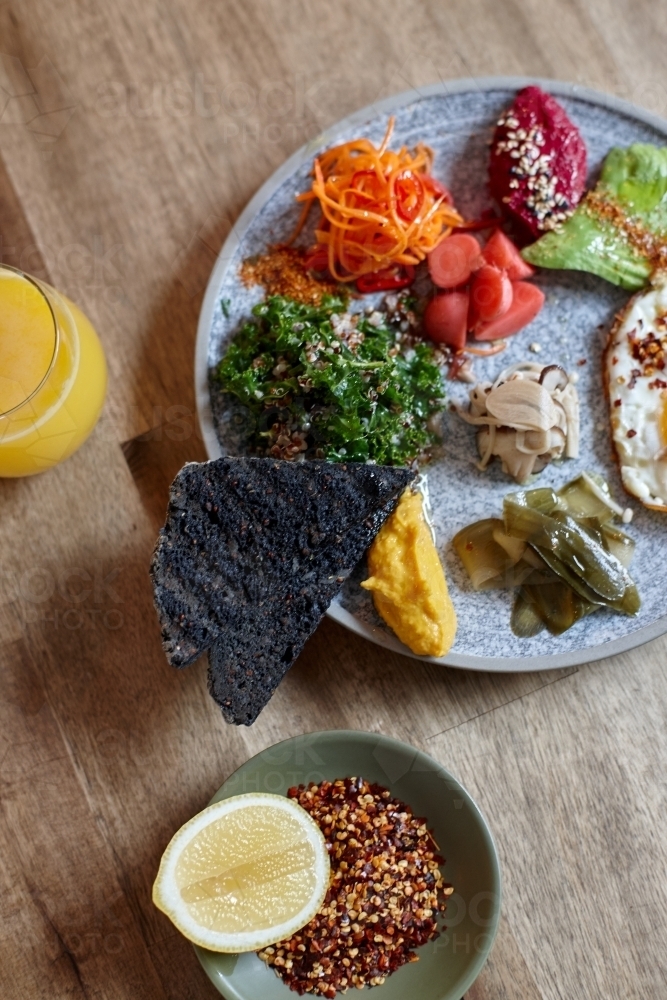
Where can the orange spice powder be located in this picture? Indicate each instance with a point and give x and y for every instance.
(281, 271)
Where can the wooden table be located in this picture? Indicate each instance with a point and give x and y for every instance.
(131, 135)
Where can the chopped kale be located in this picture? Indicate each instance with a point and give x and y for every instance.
(322, 382)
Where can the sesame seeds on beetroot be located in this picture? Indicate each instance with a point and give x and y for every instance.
(538, 162)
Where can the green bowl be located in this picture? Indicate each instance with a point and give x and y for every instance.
(448, 966)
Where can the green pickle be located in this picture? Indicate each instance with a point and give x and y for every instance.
(487, 563)
(567, 539)
(618, 543)
(492, 559)
(557, 605)
(482, 557)
(628, 603)
(525, 621)
(562, 549)
(583, 501)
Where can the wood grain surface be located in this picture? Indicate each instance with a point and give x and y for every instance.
(131, 135)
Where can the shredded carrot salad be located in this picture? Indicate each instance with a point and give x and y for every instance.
(380, 208)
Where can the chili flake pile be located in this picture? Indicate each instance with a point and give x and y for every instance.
(385, 898)
(651, 350)
(282, 271)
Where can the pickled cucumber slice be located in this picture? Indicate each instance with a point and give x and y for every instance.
(627, 604)
(557, 605)
(485, 561)
(525, 621)
(564, 537)
(562, 549)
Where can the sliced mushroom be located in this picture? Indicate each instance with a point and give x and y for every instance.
(554, 453)
(478, 398)
(561, 422)
(533, 442)
(527, 418)
(522, 404)
(557, 441)
(486, 440)
(554, 377)
(515, 464)
(569, 400)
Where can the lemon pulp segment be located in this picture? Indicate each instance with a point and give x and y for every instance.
(244, 873)
(249, 870)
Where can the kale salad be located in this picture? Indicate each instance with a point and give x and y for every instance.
(322, 382)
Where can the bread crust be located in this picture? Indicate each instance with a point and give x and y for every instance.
(251, 555)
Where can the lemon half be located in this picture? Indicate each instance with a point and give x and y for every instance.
(244, 873)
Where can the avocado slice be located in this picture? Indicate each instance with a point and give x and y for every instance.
(619, 230)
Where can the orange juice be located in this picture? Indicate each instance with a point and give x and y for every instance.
(52, 375)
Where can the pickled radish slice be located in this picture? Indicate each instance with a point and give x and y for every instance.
(526, 303)
(490, 295)
(453, 260)
(446, 319)
(502, 253)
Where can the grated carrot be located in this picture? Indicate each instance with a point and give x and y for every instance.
(380, 208)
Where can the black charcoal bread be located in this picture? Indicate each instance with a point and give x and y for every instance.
(252, 553)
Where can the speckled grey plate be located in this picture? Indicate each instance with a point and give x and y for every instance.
(448, 966)
(456, 118)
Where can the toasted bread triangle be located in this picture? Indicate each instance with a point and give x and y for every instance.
(252, 553)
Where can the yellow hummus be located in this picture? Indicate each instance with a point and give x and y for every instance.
(408, 584)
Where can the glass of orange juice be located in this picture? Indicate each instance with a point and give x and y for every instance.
(53, 375)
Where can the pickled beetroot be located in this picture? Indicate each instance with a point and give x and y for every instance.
(538, 162)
